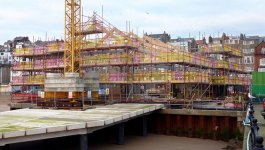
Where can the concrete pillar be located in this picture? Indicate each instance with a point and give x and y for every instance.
(120, 137)
(83, 142)
(144, 126)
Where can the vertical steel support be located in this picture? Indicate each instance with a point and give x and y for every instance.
(120, 138)
(144, 126)
(83, 142)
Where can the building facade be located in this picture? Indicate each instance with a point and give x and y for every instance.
(248, 48)
(164, 37)
(185, 44)
(5, 64)
(259, 58)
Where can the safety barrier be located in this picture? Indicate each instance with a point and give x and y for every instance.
(54, 47)
(39, 50)
(159, 57)
(219, 48)
(53, 63)
(231, 80)
(110, 42)
(37, 79)
(141, 58)
(178, 77)
(23, 51)
(39, 64)
(23, 66)
(234, 51)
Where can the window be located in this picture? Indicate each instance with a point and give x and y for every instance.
(248, 50)
(249, 69)
(217, 42)
(2, 53)
(248, 42)
(248, 59)
(233, 41)
(262, 62)
(261, 69)
(263, 50)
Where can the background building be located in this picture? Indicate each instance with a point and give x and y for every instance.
(248, 49)
(5, 64)
(259, 59)
(186, 44)
(164, 37)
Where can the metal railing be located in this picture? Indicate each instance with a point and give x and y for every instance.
(254, 140)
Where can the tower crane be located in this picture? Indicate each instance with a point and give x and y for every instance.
(72, 38)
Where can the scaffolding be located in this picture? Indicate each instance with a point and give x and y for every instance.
(28, 72)
(123, 67)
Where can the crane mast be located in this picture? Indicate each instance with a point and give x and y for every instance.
(72, 38)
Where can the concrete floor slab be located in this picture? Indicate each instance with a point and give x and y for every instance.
(140, 112)
(108, 121)
(98, 123)
(125, 116)
(133, 114)
(76, 126)
(36, 131)
(153, 108)
(117, 119)
(28, 122)
(14, 134)
(56, 129)
(146, 110)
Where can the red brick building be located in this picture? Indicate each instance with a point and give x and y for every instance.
(259, 58)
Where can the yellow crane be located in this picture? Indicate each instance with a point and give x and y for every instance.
(72, 37)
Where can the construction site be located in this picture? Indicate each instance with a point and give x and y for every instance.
(203, 92)
(109, 65)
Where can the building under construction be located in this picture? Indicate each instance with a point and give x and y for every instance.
(120, 66)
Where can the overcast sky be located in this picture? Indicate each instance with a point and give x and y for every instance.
(177, 17)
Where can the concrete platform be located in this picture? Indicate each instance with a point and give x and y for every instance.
(36, 124)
